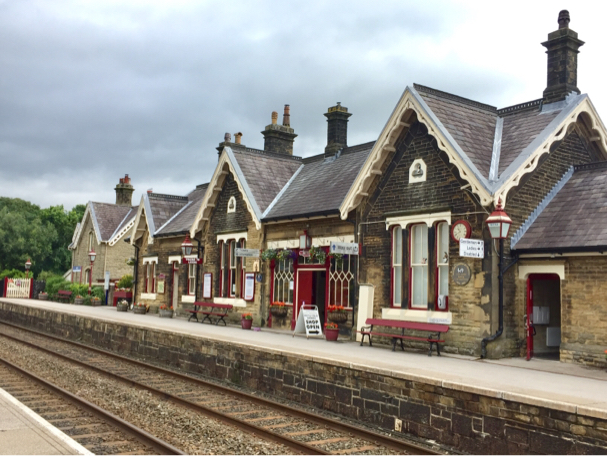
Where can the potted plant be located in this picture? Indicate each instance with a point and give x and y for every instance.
(140, 308)
(95, 301)
(246, 321)
(337, 314)
(78, 300)
(317, 254)
(165, 311)
(269, 254)
(331, 331)
(285, 254)
(122, 306)
(43, 296)
(278, 309)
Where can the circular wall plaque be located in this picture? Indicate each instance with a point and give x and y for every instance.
(461, 274)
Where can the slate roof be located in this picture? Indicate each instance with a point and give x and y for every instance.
(321, 184)
(127, 218)
(182, 221)
(163, 207)
(108, 217)
(265, 173)
(576, 217)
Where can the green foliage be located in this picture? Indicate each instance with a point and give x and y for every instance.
(54, 283)
(26, 231)
(81, 289)
(98, 292)
(12, 274)
(126, 281)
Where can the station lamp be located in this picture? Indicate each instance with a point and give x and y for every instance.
(92, 256)
(187, 246)
(28, 265)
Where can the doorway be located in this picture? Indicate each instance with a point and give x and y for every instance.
(311, 290)
(543, 316)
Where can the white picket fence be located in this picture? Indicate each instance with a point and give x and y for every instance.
(18, 288)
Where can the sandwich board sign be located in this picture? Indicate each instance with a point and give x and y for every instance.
(308, 320)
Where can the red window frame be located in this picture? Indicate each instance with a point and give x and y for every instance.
(436, 255)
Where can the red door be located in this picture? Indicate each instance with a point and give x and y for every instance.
(304, 292)
(529, 318)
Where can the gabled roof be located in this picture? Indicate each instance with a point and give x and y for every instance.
(181, 222)
(320, 185)
(106, 219)
(573, 216)
(154, 211)
(259, 176)
(491, 148)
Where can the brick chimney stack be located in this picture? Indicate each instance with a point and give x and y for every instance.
(337, 129)
(562, 49)
(279, 138)
(124, 191)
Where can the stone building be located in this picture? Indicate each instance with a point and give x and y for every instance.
(103, 228)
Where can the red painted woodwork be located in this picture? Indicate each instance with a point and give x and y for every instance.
(304, 288)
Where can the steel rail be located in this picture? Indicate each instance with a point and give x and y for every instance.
(142, 436)
(380, 439)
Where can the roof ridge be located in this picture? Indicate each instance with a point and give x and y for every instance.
(271, 154)
(540, 207)
(164, 196)
(450, 96)
(588, 166)
(526, 106)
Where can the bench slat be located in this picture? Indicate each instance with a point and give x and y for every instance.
(398, 336)
(414, 325)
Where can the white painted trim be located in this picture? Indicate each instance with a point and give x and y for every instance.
(153, 259)
(320, 241)
(173, 258)
(235, 236)
(283, 244)
(428, 219)
(525, 270)
(149, 296)
(423, 316)
(236, 302)
(46, 426)
(561, 255)
(188, 298)
(114, 240)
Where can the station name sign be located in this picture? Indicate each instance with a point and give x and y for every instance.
(471, 248)
(345, 248)
(192, 260)
(247, 253)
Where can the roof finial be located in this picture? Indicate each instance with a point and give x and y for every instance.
(564, 19)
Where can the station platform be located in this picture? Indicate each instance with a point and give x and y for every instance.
(24, 432)
(559, 386)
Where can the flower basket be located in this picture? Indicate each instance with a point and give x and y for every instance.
(278, 311)
(165, 313)
(141, 310)
(95, 302)
(338, 317)
(122, 306)
(246, 324)
(43, 296)
(78, 301)
(331, 334)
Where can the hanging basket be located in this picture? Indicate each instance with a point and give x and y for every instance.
(338, 317)
(278, 312)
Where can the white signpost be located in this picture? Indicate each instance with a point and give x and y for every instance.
(345, 248)
(106, 282)
(308, 320)
(471, 248)
(248, 253)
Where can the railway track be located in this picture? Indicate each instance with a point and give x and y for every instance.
(96, 429)
(301, 431)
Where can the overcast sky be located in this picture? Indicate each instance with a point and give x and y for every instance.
(90, 91)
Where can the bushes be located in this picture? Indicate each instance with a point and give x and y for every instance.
(126, 281)
(12, 274)
(54, 283)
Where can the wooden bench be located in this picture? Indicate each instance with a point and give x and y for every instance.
(213, 310)
(434, 328)
(64, 295)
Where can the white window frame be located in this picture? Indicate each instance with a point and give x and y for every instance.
(149, 263)
(421, 267)
(397, 266)
(192, 279)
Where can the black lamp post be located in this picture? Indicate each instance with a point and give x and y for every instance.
(499, 225)
(92, 256)
(28, 265)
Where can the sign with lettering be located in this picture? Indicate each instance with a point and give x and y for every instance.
(247, 253)
(249, 286)
(77, 269)
(192, 260)
(308, 320)
(206, 285)
(471, 248)
(461, 274)
(345, 248)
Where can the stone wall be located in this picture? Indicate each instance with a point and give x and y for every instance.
(468, 418)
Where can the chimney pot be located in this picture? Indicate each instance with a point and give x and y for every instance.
(227, 137)
(279, 139)
(274, 118)
(238, 137)
(564, 19)
(124, 191)
(286, 118)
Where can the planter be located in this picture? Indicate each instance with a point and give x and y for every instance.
(43, 296)
(246, 324)
(141, 310)
(338, 317)
(278, 312)
(331, 334)
(95, 302)
(165, 313)
(78, 301)
(122, 307)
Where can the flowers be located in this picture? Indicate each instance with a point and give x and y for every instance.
(318, 254)
(285, 254)
(78, 297)
(123, 302)
(277, 304)
(140, 304)
(337, 309)
(269, 254)
(247, 316)
(165, 307)
(331, 325)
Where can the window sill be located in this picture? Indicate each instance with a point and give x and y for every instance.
(424, 316)
(236, 302)
(151, 296)
(188, 298)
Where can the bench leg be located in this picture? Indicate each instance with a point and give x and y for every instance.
(402, 346)
(207, 317)
(430, 352)
(221, 319)
(393, 343)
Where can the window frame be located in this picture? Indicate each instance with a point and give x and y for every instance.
(440, 266)
(192, 279)
(397, 269)
(414, 266)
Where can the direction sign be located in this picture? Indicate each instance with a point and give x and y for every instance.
(77, 269)
(471, 248)
(248, 253)
(345, 248)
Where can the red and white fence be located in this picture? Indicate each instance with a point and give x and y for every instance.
(18, 288)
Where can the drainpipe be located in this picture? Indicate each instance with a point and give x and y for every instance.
(500, 329)
(197, 270)
(135, 273)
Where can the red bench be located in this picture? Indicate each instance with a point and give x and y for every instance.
(434, 328)
(214, 310)
(64, 295)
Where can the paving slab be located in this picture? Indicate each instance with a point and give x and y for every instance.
(563, 386)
